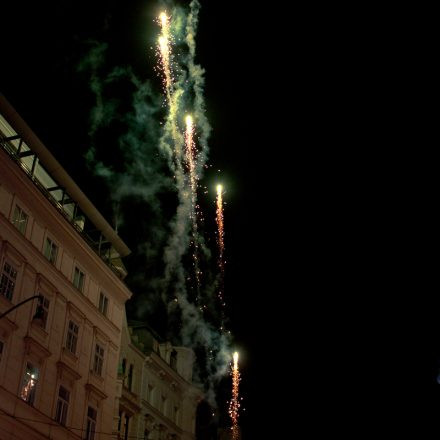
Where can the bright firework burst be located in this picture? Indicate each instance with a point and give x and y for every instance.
(234, 404)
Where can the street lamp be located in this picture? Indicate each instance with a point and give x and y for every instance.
(38, 314)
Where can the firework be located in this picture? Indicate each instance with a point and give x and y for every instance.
(234, 404)
(191, 161)
(164, 43)
(220, 241)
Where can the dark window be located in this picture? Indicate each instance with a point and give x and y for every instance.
(103, 304)
(7, 282)
(72, 337)
(91, 423)
(130, 377)
(42, 310)
(78, 279)
(19, 219)
(98, 359)
(62, 405)
(173, 359)
(50, 250)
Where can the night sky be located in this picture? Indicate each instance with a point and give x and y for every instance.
(42, 48)
(298, 109)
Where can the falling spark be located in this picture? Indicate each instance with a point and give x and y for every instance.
(165, 53)
(234, 404)
(191, 161)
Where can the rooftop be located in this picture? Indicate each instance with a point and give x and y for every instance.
(29, 153)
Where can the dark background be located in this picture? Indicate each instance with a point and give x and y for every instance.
(302, 105)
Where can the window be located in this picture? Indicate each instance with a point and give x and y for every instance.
(126, 425)
(98, 360)
(19, 219)
(50, 250)
(7, 282)
(173, 360)
(146, 434)
(176, 415)
(72, 337)
(78, 279)
(103, 304)
(42, 310)
(130, 377)
(62, 405)
(1, 350)
(29, 385)
(91, 423)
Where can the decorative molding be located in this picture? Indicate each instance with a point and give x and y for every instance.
(66, 372)
(33, 347)
(95, 391)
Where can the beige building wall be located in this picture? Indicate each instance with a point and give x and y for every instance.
(72, 347)
(157, 400)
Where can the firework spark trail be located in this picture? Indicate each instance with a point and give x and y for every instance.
(191, 161)
(221, 245)
(234, 404)
(165, 54)
(173, 96)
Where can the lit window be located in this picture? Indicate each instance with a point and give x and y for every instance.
(91, 423)
(7, 282)
(98, 359)
(103, 304)
(72, 337)
(78, 279)
(62, 405)
(42, 310)
(50, 250)
(29, 383)
(20, 219)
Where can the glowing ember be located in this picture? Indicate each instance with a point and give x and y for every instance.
(234, 404)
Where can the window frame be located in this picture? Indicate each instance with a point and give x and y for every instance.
(75, 336)
(30, 399)
(62, 406)
(17, 219)
(10, 280)
(91, 422)
(103, 303)
(98, 358)
(49, 243)
(81, 278)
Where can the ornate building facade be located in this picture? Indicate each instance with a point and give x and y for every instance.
(157, 400)
(60, 264)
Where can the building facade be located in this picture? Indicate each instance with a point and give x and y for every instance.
(59, 351)
(156, 399)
